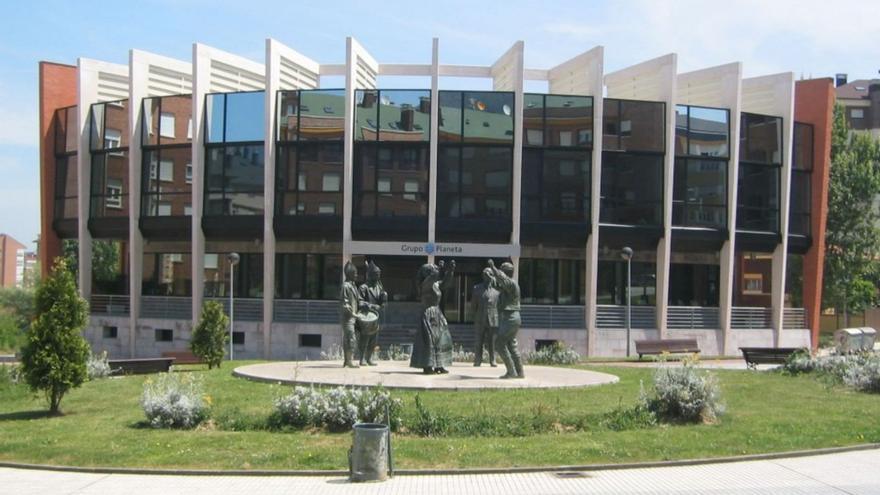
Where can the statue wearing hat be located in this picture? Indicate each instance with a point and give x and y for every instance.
(351, 306)
(373, 296)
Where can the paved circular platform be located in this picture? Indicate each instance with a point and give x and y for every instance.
(398, 375)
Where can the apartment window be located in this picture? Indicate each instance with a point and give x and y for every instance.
(164, 335)
(189, 173)
(114, 194)
(109, 332)
(330, 182)
(109, 149)
(166, 125)
(112, 138)
(753, 283)
(238, 338)
(759, 173)
(857, 113)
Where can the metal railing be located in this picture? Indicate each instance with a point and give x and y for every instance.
(794, 319)
(111, 305)
(305, 311)
(542, 316)
(614, 316)
(245, 309)
(166, 307)
(751, 318)
(693, 318)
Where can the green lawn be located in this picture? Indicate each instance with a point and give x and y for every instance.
(766, 412)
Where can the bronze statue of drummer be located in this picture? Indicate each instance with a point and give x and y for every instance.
(373, 296)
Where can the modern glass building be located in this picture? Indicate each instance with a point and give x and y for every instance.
(153, 172)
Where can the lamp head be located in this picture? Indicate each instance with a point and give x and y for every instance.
(233, 258)
(626, 253)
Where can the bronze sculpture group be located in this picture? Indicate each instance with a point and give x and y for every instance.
(495, 301)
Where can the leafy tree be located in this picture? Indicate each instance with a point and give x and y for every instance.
(70, 253)
(852, 236)
(18, 303)
(54, 357)
(210, 336)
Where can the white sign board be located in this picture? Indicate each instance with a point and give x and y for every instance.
(442, 249)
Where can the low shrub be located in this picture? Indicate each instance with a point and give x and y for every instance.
(684, 394)
(394, 353)
(174, 400)
(860, 371)
(556, 354)
(98, 367)
(864, 376)
(333, 353)
(336, 408)
(629, 418)
(800, 361)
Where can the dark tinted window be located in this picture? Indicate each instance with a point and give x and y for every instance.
(634, 126)
(761, 139)
(632, 189)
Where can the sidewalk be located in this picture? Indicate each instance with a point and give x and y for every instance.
(854, 473)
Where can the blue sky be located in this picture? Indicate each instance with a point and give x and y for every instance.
(808, 37)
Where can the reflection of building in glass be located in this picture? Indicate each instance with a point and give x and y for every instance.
(711, 179)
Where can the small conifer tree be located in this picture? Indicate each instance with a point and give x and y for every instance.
(55, 355)
(210, 336)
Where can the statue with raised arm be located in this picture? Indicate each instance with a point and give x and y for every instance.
(508, 319)
(432, 349)
(373, 296)
(350, 307)
(484, 307)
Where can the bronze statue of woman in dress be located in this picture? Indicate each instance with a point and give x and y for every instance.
(432, 349)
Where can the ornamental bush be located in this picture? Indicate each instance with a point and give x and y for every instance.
(556, 354)
(210, 337)
(55, 354)
(865, 375)
(684, 394)
(174, 400)
(98, 367)
(336, 408)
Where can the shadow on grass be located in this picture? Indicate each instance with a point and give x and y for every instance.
(27, 415)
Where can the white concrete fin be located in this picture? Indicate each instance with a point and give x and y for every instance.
(465, 71)
(505, 70)
(578, 75)
(165, 76)
(709, 87)
(768, 95)
(644, 81)
(332, 70)
(366, 68)
(111, 80)
(405, 70)
(230, 73)
(296, 71)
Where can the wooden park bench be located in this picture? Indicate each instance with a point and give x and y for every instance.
(183, 357)
(140, 366)
(766, 355)
(672, 346)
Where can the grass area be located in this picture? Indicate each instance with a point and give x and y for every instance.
(103, 426)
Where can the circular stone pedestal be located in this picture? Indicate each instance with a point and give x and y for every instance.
(398, 375)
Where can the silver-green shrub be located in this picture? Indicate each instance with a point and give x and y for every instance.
(864, 375)
(174, 400)
(98, 367)
(800, 361)
(555, 354)
(336, 408)
(394, 353)
(684, 394)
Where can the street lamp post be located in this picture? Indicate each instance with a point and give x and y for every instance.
(627, 254)
(232, 258)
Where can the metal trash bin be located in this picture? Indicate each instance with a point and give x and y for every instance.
(869, 336)
(848, 340)
(368, 459)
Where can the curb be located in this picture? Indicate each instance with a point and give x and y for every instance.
(446, 472)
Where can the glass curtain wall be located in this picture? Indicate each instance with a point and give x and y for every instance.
(760, 165)
(551, 281)
(309, 166)
(108, 142)
(702, 137)
(634, 145)
(166, 170)
(558, 143)
(308, 276)
(475, 163)
(234, 154)
(167, 274)
(392, 141)
(248, 276)
(801, 171)
(109, 267)
(66, 183)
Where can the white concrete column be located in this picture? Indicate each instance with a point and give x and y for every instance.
(732, 90)
(273, 83)
(201, 80)
(87, 93)
(138, 90)
(785, 97)
(348, 147)
(434, 145)
(518, 89)
(664, 247)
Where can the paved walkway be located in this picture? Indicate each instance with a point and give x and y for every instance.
(397, 374)
(854, 473)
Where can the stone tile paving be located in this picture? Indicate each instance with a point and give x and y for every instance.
(855, 473)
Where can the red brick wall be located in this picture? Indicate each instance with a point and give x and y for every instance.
(57, 90)
(814, 103)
